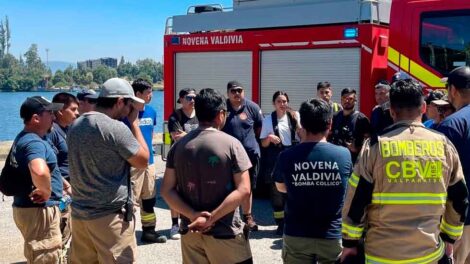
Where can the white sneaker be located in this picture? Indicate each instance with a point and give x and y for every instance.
(174, 232)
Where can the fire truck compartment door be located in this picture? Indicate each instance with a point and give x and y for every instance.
(200, 70)
(297, 72)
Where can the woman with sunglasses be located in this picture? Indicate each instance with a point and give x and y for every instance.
(278, 133)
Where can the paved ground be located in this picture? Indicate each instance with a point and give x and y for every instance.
(265, 246)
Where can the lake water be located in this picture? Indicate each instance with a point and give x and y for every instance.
(11, 123)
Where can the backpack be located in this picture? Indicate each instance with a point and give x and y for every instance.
(13, 180)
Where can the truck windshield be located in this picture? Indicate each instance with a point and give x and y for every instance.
(445, 40)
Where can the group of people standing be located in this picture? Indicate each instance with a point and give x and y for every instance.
(343, 189)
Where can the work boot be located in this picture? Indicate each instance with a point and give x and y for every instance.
(152, 236)
(250, 222)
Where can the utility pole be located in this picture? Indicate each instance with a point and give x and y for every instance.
(47, 57)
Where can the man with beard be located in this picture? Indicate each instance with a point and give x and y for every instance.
(244, 122)
(35, 207)
(101, 151)
(350, 127)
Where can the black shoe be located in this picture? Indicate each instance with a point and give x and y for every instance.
(152, 236)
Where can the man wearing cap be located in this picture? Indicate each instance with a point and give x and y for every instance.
(380, 117)
(244, 122)
(181, 122)
(325, 92)
(457, 128)
(87, 100)
(143, 180)
(36, 211)
(431, 109)
(101, 151)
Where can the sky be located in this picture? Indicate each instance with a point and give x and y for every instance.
(77, 30)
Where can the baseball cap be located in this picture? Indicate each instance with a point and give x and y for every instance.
(433, 96)
(459, 77)
(36, 105)
(87, 94)
(116, 87)
(184, 92)
(234, 85)
(400, 76)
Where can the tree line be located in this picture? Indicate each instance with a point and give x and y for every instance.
(28, 72)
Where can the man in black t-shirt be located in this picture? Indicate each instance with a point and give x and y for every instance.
(350, 127)
(183, 120)
(314, 175)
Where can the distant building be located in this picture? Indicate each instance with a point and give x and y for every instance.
(92, 64)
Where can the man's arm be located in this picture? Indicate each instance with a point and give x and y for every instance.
(41, 177)
(234, 199)
(281, 187)
(168, 191)
(141, 158)
(358, 197)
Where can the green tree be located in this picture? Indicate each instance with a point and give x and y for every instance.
(59, 77)
(151, 68)
(121, 62)
(103, 73)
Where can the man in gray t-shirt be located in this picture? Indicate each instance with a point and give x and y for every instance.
(101, 151)
(206, 180)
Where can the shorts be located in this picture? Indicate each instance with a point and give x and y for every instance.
(199, 248)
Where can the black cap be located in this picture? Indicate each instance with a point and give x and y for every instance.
(184, 92)
(459, 77)
(87, 94)
(37, 105)
(234, 85)
(434, 95)
(400, 76)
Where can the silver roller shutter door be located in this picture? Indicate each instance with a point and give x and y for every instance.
(200, 70)
(298, 71)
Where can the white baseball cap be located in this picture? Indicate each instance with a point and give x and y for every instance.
(116, 87)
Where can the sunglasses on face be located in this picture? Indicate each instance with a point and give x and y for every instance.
(237, 90)
(189, 98)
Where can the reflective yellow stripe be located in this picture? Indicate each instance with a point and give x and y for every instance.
(425, 76)
(404, 62)
(147, 217)
(353, 180)
(167, 138)
(409, 198)
(352, 231)
(393, 55)
(421, 260)
(418, 71)
(278, 214)
(452, 230)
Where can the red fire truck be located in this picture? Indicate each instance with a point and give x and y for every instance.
(291, 45)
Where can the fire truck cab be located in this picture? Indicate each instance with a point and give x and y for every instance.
(291, 45)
